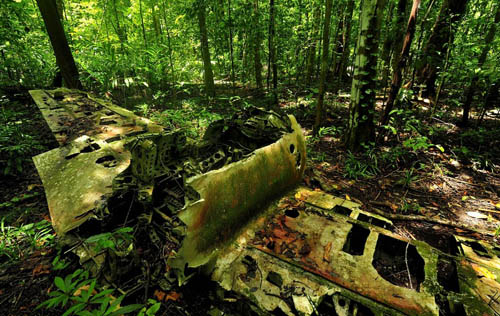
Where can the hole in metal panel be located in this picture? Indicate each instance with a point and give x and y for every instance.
(398, 262)
(293, 213)
(356, 240)
(342, 210)
(447, 275)
(372, 220)
(108, 161)
(68, 157)
(275, 279)
(478, 249)
(90, 148)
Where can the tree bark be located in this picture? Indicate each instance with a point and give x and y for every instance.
(256, 46)
(119, 30)
(62, 51)
(361, 128)
(205, 53)
(272, 52)
(402, 58)
(324, 67)
(170, 52)
(313, 39)
(346, 41)
(394, 41)
(142, 24)
(338, 44)
(451, 12)
(231, 49)
(482, 58)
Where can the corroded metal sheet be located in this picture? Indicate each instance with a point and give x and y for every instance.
(71, 114)
(300, 245)
(78, 175)
(313, 251)
(480, 271)
(75, 185)
(233, 195)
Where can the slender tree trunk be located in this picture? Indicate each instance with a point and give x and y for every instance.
(482, 58)
(491, 99)
(142, 24)
(313, 39)
(62, 51)
(385, 55)
(338, 46)
(256, 46)
(346, 41)
(231, 49)
(361, 128)
(396, 42)
(156, 23)
(397, 76)
(272, 52)
(205, 53)
(324, 67)
(120, 31)
(423, 30)
(169, 43)
(451, 12)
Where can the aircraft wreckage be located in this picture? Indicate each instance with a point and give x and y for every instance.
(125, 192)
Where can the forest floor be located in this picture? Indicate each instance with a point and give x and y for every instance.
(427, 175)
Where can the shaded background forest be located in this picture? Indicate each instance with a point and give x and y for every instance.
(152, 49)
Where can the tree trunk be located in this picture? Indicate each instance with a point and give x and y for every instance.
(231, 49)
(205, 53)
(272, 52)
(385, 55)
(156, 24)
(62, 51)
(338, 46)
(170, 52)
(361, 128)
(402, 58)
(451, 12)
(142, 24)
(120, 31)
(491, 99)
(313, 39)
(346, 41)
(256, 45)
(482, 58)
(324, 67)
(395, 42)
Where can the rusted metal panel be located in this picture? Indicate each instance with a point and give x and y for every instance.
(78, 175)
(71, 114)
(314, 243)
(233, 195)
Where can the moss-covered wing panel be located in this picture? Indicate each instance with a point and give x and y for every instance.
(231, 196)
(78, 176)
(71, 114)
(76, 185)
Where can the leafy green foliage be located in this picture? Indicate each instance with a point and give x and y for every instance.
(79, 292)
(17, 243)
(26, 57)
(362, 166)
(118, 240)
(15, 143)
